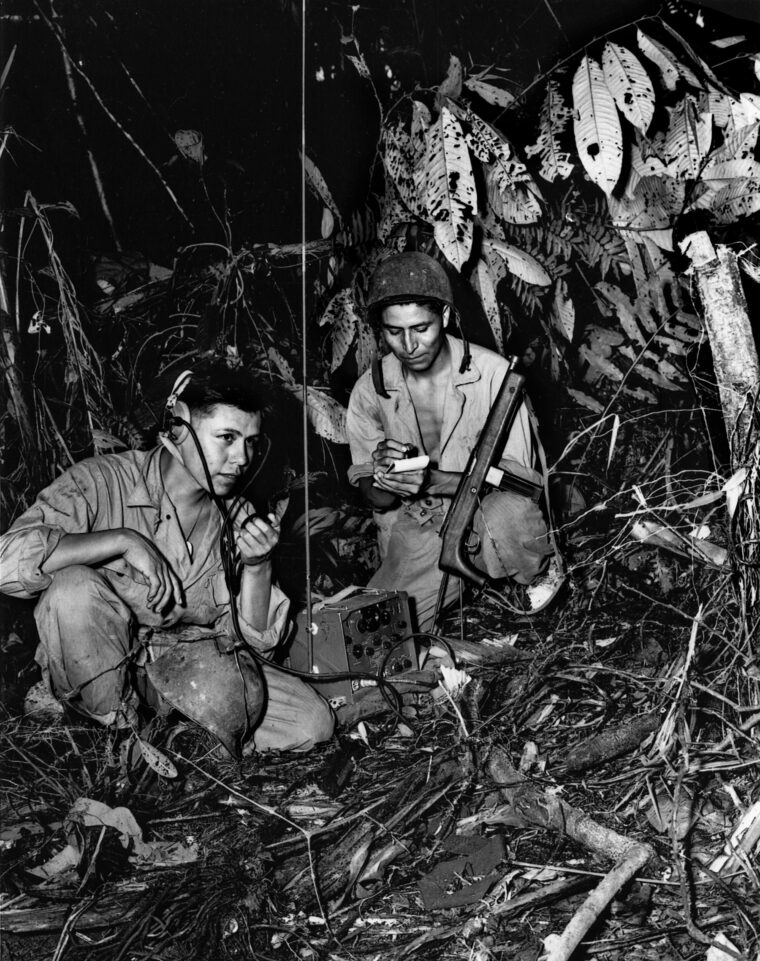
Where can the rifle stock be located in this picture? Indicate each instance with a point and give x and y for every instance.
(491, 442)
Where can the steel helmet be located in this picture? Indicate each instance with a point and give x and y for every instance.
(222, 691)
(408, 277)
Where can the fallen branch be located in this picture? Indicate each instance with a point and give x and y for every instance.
(611, 743)
(560, 947)
(531, 807)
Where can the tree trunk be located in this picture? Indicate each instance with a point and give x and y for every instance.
(737, 369)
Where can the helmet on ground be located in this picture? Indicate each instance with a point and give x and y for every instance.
(408, 277)
(222, 691)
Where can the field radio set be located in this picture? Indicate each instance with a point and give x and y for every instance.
(357, 634)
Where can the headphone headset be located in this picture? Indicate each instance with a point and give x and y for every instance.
(170, 418)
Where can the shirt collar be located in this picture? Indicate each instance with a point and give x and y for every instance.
(393, 372)
(149, 488)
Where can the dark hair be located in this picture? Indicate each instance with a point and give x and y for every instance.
(214, 382)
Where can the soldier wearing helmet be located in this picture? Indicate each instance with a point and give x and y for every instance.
(431, 393)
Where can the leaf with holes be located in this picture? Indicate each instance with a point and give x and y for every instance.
(491, 94)
(361, 66)
(563, 311)
(327, 416)
(731, 170)
(669, 65)
(629, 85)
(399, 162)
(319, 187)
(519, 263)
(624, 310)
(393, 214)
(736, 146)
(342, 316)
(737, 200)
(366, 345)
(555, 162)
(452, 84)
(485, 287)
(421, 121)
(507, 175)
(688, 140)
(156, 760)
(450, 196)
(598, 136)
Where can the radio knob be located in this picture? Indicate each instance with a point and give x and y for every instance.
(387, 645)
(407, 663)
(385, 617)
(369, 651)
(357, 650)
(396, 667)
(361, 626)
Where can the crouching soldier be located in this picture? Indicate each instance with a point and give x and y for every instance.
(432, 394)
(132, 544)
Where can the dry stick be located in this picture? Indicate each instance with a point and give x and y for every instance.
(533, 807)
(588, 913)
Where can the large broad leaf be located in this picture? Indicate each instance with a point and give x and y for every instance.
(638, 213)
(452, 84)
(450, 197)
(739, 199)
(347, 326)
(393, 214)
(629, 84)
(732, 170)
(555, 162)
(563, 311)
(489, 93)
(319, 187)
(737, 146)
(327, 416)
(399, 162)
(508, 175)
(421, 121)
(485, 286)
(598, 136)
(688, 140)
(670, 66)
(366, 344)
(519, 263)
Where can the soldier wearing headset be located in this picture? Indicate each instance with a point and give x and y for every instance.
(128, 544)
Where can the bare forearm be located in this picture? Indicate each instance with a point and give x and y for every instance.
(87, 549)
(443, 482)
(255, 593)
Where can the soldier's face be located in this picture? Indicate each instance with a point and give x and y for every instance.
(414, 333)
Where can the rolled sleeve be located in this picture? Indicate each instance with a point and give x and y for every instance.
(277, 618)
(22, 554)
(364, 429)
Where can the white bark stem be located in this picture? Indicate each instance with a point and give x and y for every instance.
(734, 351)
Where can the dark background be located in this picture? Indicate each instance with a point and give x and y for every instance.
(232, 70)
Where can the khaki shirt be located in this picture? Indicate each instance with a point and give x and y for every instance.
(125, 490)
(469, 397)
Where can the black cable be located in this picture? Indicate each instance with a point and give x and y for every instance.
(232, 573)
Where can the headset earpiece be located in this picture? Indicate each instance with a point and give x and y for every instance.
(170, 418)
